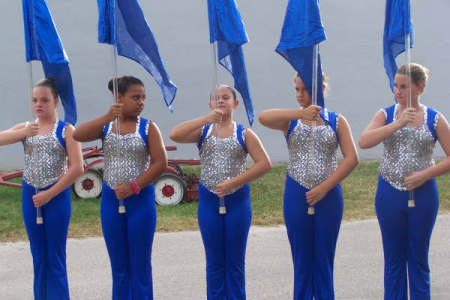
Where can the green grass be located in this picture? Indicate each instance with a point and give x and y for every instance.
(267, 194)
(11, 223)
(359, 191)
(85, 220)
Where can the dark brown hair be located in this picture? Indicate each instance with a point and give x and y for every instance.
(232, 90)
(124, 83)
(50, 83)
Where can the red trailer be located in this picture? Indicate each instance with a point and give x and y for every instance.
(172, 187)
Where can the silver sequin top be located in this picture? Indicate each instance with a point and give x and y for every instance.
(45, 159)
(221, 159)
(408, 149)
(126, 156)
(312, 153)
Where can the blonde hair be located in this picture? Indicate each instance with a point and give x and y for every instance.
(325, 86)
(419, 74)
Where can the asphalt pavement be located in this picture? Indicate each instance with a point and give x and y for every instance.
(179, 265)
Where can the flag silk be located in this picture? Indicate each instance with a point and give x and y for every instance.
(397, 26)
(122, 24)
(42, 43)
(227, 29)
(302, 30)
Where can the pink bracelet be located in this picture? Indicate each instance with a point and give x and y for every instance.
(135, 187)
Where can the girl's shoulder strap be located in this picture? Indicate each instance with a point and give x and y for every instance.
(105, 130)
(432, 119)
(292, 125)
(203, 136)
(60, 133)
(389, 113)
(332, 119)
(143, 130)
(240, 136)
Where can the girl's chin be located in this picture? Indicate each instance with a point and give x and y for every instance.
(43, 115)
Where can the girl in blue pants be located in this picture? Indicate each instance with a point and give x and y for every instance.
(223, 155)
(225, 241)
(134, 158)
(48, 242)
(313, 239)
(129, 239)
(409, 136)
(313, 202)
(53, 161)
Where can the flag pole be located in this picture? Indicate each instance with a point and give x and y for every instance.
(39, 218)
(411, 200)
(114, 55)
(315, 69)
(122, 209)
(215, 84)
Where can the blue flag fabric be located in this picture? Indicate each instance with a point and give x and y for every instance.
(226, 27)
(42, 43)
(302, 30)
(397, 26)
(122, 23)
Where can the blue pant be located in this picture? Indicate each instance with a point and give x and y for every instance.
(225, 241)
(313, 240)
(48, 243)
(129, 239)
(406, 234)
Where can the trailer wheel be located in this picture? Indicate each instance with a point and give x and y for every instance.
(88, 185)
(169, 189)
(177, 168)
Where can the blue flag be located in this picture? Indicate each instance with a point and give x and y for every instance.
(226, 27)
(302, 30)
(122, 24)
(42, 43)
(397, 26)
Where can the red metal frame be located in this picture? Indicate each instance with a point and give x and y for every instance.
(5, 177)
(190, 179)
(191, 162)
(93, 152)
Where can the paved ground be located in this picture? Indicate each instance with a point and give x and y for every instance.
(178, 265)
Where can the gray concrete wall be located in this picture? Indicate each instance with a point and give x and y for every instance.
(352, 58)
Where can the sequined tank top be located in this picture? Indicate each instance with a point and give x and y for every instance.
(406, 150)
(312, 152)
(45, 157)
(221, 159)
(126, 156)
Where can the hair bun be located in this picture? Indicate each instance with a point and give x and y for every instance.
(111, 83)
(123, 82)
